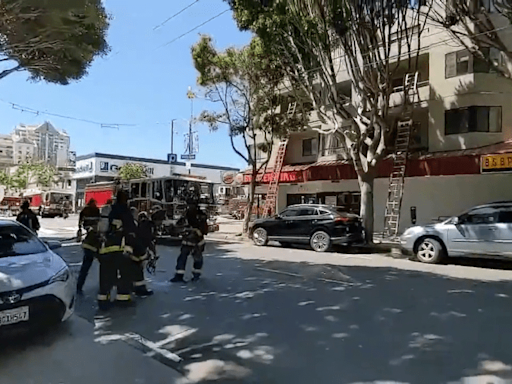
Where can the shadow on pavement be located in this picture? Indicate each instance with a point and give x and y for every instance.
(281, 322)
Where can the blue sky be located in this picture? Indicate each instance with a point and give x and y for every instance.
(138, 83)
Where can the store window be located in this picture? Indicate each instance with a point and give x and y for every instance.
(472, 119)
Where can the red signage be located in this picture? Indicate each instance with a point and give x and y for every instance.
(228, 177)
(284, 177)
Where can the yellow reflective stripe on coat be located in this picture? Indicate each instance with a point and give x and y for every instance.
(180, 271)
(196, 270)
(111, 249)
(202, 242)
(102, 297)
(139, 283)
(128, 249)
(123, 297)
(89, 247)
(138, 259)
(188, 243)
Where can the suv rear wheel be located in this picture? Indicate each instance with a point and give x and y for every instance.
(260, 237)
(320, 241)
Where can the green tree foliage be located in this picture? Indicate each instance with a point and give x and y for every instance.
(245, 83)
(318, 40)
(131, 171)
(54, 40)
(42, 174)
(5, 179)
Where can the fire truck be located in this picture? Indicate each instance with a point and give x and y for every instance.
(164, 199)
(49, 203)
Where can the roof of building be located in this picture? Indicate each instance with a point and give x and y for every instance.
(154, 161)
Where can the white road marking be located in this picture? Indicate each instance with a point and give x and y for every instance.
(172, 338)
(70, 244)
(154, 347)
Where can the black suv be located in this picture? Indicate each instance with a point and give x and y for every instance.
(319, 225)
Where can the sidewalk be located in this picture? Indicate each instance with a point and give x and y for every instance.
(229, 229)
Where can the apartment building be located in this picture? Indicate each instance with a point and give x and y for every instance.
(49, 144)
(461, 151)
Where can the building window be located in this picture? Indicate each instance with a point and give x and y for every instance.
(463, 62)
(310, 147)
(472, 119)
(486, 5)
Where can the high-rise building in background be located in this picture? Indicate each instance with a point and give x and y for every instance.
(41, 142)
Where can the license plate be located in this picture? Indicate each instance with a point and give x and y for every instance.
(13, 316)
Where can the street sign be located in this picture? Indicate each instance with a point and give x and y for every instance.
(172, 157)
(189, 165)
(188, 157)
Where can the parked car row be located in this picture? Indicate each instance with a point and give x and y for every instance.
(483, 231)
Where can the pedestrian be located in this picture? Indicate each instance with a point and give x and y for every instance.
(28, 218)
(119, 240)
(89, 221)
(192, 243)
(144, 243)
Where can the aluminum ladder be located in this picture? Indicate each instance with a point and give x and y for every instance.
(273, 186)
(402, 143)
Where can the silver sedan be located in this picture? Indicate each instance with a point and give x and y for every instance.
(483, 231)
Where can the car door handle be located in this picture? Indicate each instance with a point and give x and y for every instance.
(492, 229)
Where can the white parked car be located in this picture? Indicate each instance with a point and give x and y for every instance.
(36, 286)
(483, 231)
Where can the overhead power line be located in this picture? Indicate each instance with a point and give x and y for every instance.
(173, 16)
(38, 112)
(193, 29)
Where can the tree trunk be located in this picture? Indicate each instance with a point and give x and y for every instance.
(250, 203)
(366, 186)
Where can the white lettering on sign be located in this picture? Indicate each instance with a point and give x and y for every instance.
(105, 166)
(82, 168)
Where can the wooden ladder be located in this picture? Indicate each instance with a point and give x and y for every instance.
(402, 143)
(273, 186)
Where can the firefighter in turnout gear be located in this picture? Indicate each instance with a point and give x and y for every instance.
(193, 242)
(119, 241)
(88, 220)
(143, 244)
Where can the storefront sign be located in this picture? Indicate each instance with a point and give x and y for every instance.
(228, 177)
(106, 166)
(284, 177)
(496, 163)
(84, 167)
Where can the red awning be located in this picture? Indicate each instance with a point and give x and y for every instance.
(446, 163)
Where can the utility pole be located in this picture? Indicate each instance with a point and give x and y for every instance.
(191, 96)
(172, 135)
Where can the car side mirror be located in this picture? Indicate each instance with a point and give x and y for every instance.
(278, 217)
(53, 245)
(456, 221)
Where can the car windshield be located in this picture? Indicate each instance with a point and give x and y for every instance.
(58, 197)
(18, 241)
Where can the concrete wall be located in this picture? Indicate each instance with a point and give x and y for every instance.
(432, 196)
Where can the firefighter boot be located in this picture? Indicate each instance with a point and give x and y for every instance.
(178, 278)
(195, 276)
(143, 291)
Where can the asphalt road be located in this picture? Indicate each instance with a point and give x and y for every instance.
(277, 315)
